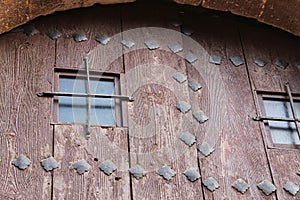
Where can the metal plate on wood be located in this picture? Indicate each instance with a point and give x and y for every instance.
(180, 77)
(260, 62)
(30, 31)
(240, 185)
(176, 22)
(188, 138)
(187, 31)
(298, 64)
(281, 63)
(215, 59)
(81, 166)
(190, 57)
(205, 149)
(183, 106)
(49, 164)
(195, 86)
(236, 60)
(22, 162)
(267, 187)
(152, 44)
(79, 37)
(200, 117)
(108, 167)
(175, 48)
(211, 184)
(127, 43)
(291, 187)
(192, 174)
(54, 34)
(102, 38)
(137, 171)
(166, 172)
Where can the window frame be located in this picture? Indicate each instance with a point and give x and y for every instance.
(278, 96)
(119, 108)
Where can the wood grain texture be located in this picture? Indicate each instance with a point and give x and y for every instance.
(227, 100)
(270, 44)
(154, 122)
(70, 146)
(24, 117)
(92, 21)
(285, 165)
(260, 43)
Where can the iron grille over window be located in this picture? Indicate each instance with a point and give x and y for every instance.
(280, 116)
(87, 98)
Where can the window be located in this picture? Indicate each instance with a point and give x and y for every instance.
(92, 98)
(74, 109)
(279, 113)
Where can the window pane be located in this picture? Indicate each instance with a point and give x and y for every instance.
(74, 109)
(278, 108)
(282, 132)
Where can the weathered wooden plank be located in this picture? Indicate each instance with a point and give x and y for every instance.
(92, 21)
(270, 44)
(226, 99)
(261, 43)
(285, 165)
(26, 68)
(70, 146)
(154, 122)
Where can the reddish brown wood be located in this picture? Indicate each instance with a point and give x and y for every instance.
(92, 21)
(154, 122)
(227, 100)
(70, 146)
(26, 68)
(270, 45)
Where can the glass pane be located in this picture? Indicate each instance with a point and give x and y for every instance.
(278, 108)
(74, 109)
(282, 132)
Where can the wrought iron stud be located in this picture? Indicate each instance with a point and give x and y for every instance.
(211, 184)
(166, 172)
(192, 174)
(291, 187)
(127, 43)
(81, 166)
(180, 77)
(49, 164)
(215, 59)
(205, 149)
(108, 167)
(22, 162)
(138, 171)
(267, 187)
(188, 138)
(102, 38)
(236, 60)
(240, 185)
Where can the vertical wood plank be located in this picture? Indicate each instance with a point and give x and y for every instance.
(91, 22)
(154, 122)
(269, 44)
(70, 146)
(26, 69)
(226, 99)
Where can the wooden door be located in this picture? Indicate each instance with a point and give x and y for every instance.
(151, 126)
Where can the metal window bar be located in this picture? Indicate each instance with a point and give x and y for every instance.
(88, 95)
(294, 119)
(88, 99)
